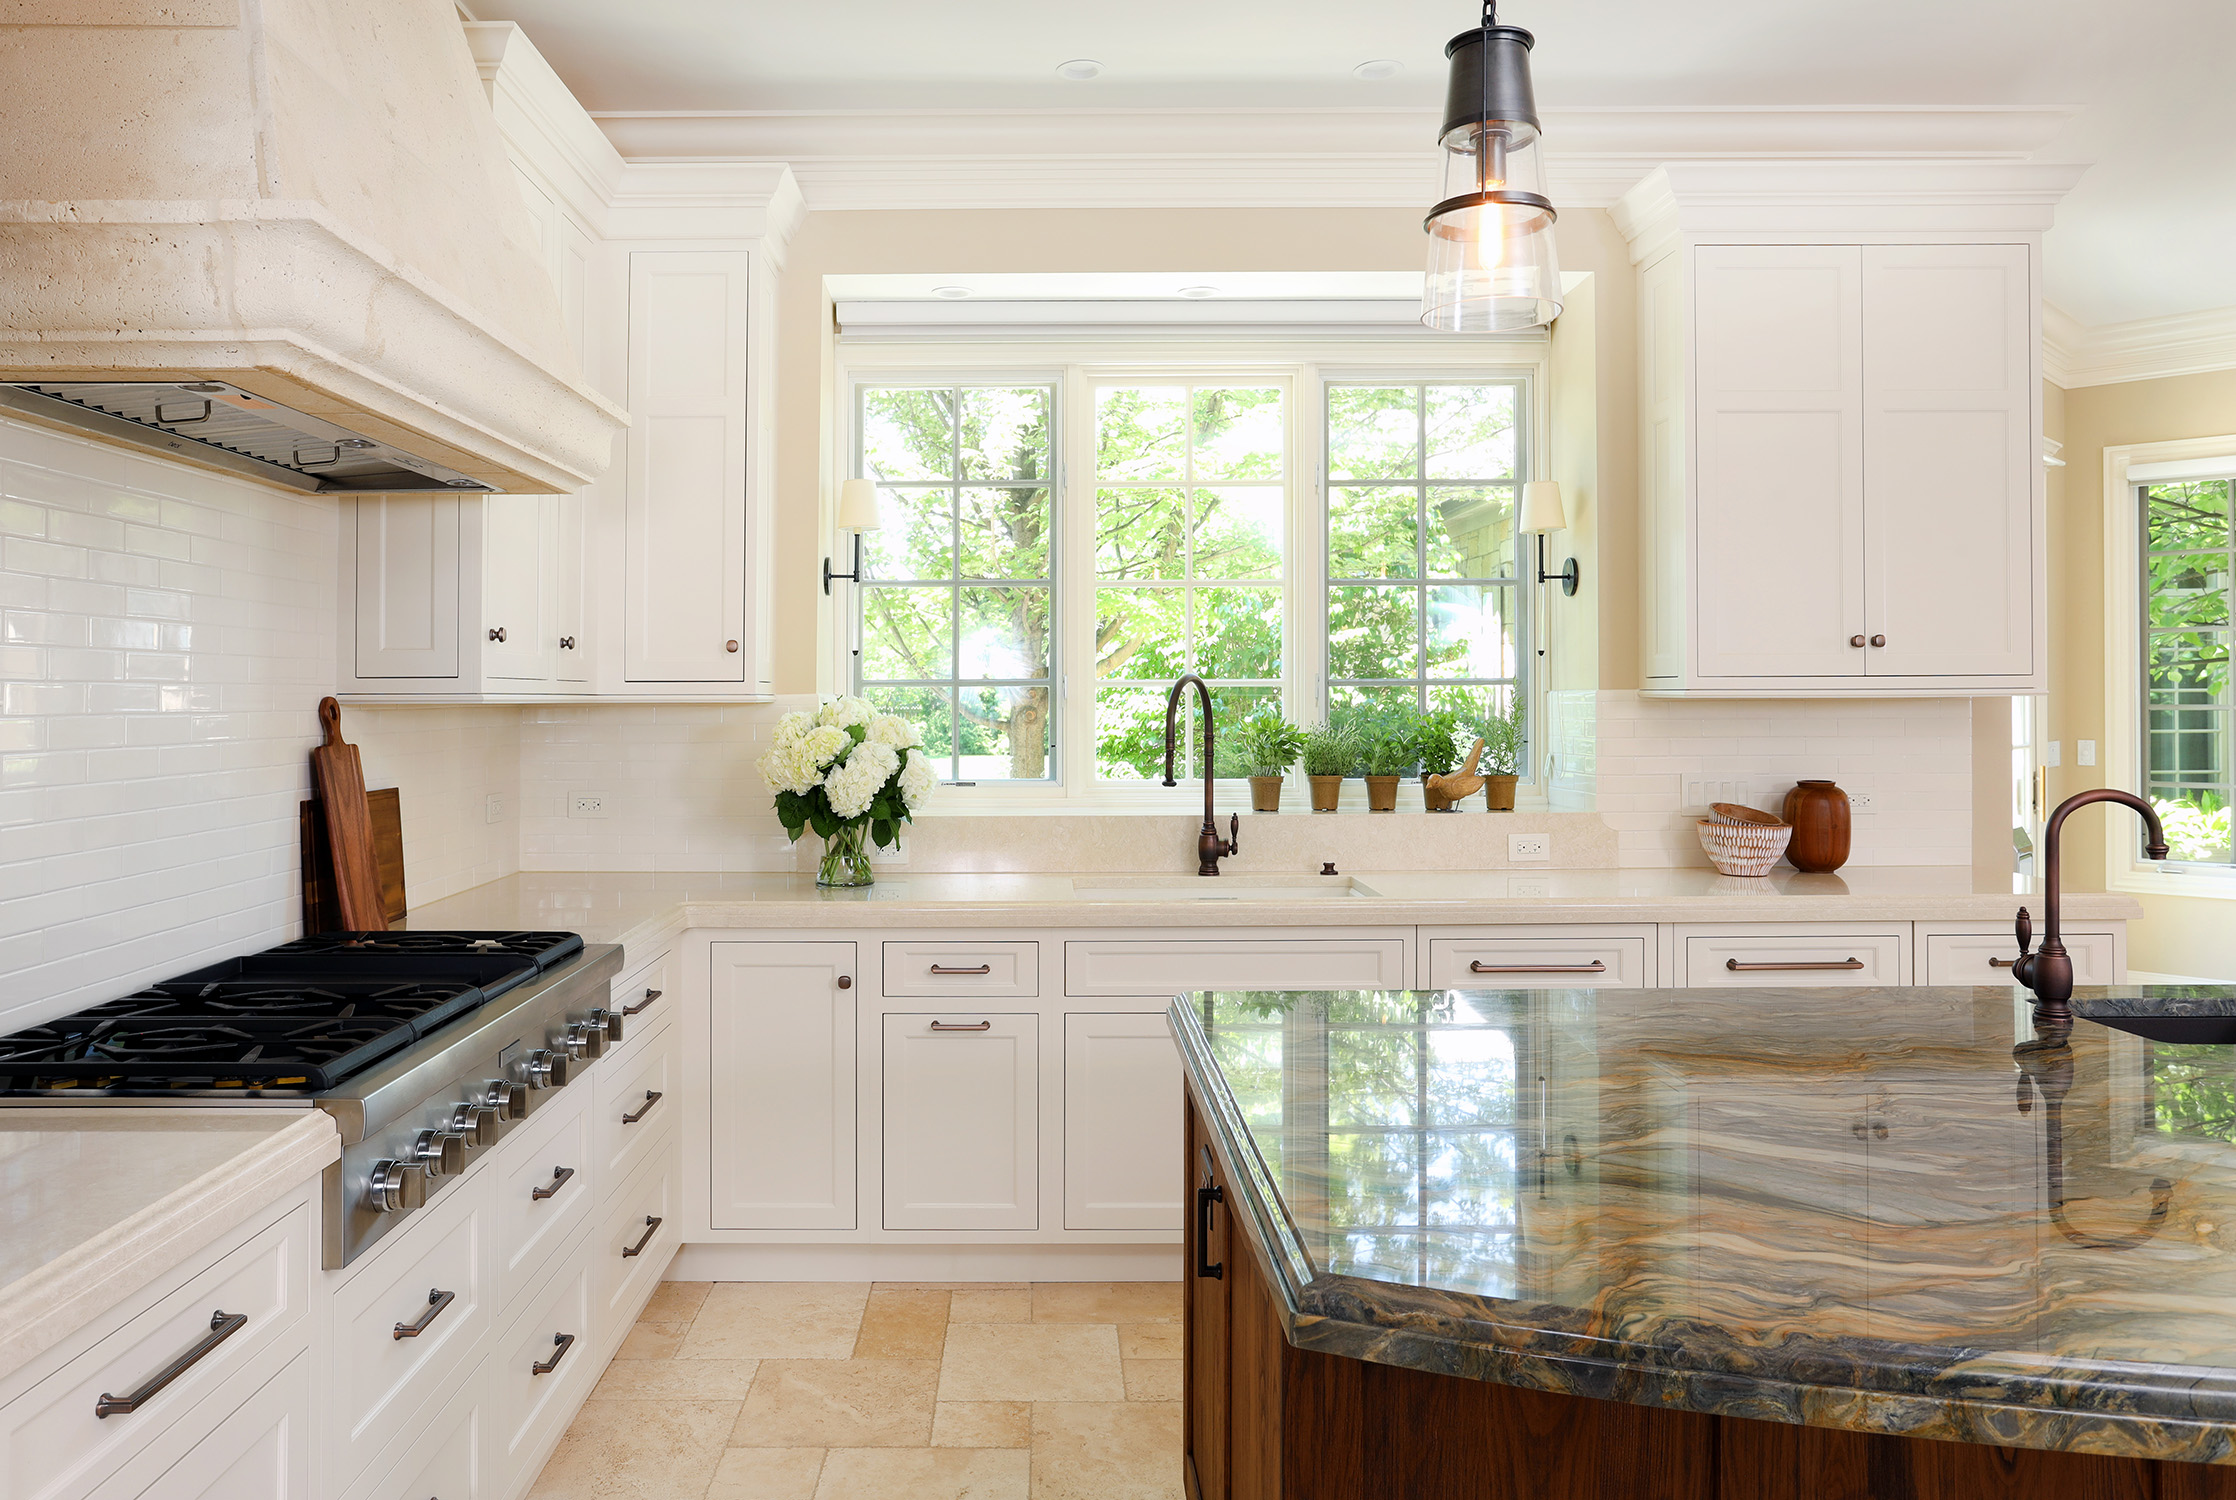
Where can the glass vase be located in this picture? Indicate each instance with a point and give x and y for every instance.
(846, 857)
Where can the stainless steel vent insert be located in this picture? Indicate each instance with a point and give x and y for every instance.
(214, 423)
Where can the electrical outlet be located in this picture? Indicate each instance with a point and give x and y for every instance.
(1699, 791)
(2053, 753)
(1529, 846)
(493, 810)
(1531, 885)
(2084, 752)
(1859, 804)
(895, 853)
(586, 805)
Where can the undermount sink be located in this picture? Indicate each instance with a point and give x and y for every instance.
(1219, 888)
(2179, 1015)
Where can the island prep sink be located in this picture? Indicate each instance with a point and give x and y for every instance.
(2180, 1015)
(1275, 888)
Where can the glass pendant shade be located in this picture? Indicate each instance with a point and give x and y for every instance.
(1491, 266)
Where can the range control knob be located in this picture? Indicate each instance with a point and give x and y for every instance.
(610, 1020)
(505, 1099)
(547, 1069)
(395, 1187)
(477, 1123)
(585, 1039)
(441, 1152)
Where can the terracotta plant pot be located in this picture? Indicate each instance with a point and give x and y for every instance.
(1381, 793)
(1326, 792)
(1265, 794)
(1432, 799)
(1819, 813)
(1498, 792)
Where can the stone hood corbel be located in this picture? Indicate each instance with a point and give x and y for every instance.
(305, 199)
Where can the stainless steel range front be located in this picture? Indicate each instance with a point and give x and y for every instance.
(426, 1048)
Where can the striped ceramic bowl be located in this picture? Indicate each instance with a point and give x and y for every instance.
(1743, 848)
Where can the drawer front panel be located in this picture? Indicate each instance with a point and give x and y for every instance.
(556, 1162)
(992, 971)
(1582, 963)
(962, 1121)
(258, 1449)
(646, 998)
(1116, 966)
(1966, 958)
(1122, 1095)
(433, 1278)
(543, 1365)
(636, 1104)
(1791, 960)
(55, 1445)
(635, 1238)
(443, 1468)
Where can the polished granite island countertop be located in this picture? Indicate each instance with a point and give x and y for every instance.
(1892, 1211)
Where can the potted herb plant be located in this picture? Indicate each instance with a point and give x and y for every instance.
(1436, 746)
(1267, 745)
(1504, 740)
(1392, 747)
(1330, 752)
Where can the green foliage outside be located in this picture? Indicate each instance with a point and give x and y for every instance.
(2188, 569)
(2192, 1089)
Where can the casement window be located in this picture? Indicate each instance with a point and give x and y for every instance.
(2188, 568)
(1061, 542)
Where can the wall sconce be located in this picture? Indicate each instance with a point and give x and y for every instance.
(857, 512)
(1542, 512)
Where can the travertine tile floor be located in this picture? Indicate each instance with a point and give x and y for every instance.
(885, 1391)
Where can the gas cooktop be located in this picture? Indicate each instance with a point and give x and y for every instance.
(152, 1053)
(544, 948)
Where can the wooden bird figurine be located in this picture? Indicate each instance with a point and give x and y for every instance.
(1462, 783)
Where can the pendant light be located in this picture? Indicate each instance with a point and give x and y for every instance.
(1491, 260)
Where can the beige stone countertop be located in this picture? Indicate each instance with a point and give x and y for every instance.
(607, 907)
(96, 1203)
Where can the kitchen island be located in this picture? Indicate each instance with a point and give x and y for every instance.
(1690, 1243)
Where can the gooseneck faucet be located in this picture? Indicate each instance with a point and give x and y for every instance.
(1210, 848)
(2049, 973)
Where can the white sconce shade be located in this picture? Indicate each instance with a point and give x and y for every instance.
(1542, 510)
(857, 506)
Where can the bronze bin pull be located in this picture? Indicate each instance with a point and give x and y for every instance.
(1596, 966)
(1737, 967)
(958, 1026)
(944, 969)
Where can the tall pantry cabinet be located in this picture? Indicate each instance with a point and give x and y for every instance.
(1840, 477)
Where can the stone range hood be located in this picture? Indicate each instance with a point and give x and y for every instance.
(307, 199)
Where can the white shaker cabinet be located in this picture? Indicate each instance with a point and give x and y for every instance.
(780, 1085)
(962, 1120)
(1122, 1092)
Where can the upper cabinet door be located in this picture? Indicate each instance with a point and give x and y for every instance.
(406, 562)
(1778, 483)
(518, 541)
(1950, 464)
(684, 596)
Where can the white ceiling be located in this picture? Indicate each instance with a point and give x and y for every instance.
(2146, 234)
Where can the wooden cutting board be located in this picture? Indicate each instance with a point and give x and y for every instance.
(321, 912)
(339, 778)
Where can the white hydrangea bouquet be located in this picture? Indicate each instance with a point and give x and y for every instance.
(847, 771)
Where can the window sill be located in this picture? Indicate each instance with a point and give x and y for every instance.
(1149, 800)
(2199, 881)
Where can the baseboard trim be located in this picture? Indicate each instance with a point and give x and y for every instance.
(925, 1263)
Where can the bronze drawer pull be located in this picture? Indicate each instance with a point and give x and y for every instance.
(223, 1325)
(436, 1302)
(2002, 963)
(1596, 966)
(559, 1176)
(652, 1225)
(561, 1343)
(981, 969)
(1737, 967)
(973, 1026)
(651, 1097)
(644, 1004)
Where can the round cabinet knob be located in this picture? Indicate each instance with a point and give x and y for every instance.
(497, 633)
(395, 1187)
(610, 1020)
(477, 1123)
(846, 981)
(547, 1069)
(731, 647)
(505, 1100)
(442, 1152)
(1878, 640)
(1855, 640)
(566, 643)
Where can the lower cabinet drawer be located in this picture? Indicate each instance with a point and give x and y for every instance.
(987, 971)
(636, 1103)
(406, 1328)
(444, 1463)
(257, 1449)
(1119, 966)
(542, 1367)
(55, 1442)
(645, 997)
(1985, 957)
(1788, 960)
(1582, 961)
(545, 1189)
(636, 1236)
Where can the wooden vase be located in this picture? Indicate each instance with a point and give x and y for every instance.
(1381, 793)
(1265, 794)
(1818, 811)
(1326, 792)
(1498, 792)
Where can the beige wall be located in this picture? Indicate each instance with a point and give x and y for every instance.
(2178, 935)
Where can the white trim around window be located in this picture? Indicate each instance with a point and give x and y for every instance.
(1296, 364)
(2124, 869)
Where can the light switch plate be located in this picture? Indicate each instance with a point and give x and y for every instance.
(493, 809)
(2084, 752)
(1521, 846)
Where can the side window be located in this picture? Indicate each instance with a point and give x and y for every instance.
(2186, 704)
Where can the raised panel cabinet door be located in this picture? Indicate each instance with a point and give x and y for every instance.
(1661, 378)
(1778, 586)
(406, 567)
(782, 1086)
(259, 1449)
(517, 540)
(683, 594)
(1122, 1096)
(570, 620)
(962, 1121)
(1950, 460)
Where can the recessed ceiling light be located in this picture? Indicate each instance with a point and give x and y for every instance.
(1378, 68)
(1199, 292)
(951, 293)
(1080, 69)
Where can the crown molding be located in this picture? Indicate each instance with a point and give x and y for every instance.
(2191, 343)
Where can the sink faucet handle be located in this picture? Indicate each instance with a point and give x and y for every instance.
(1234, 833)
(2025, 930)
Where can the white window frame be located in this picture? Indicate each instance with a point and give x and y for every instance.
(2124, 867)
(1306, 366)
